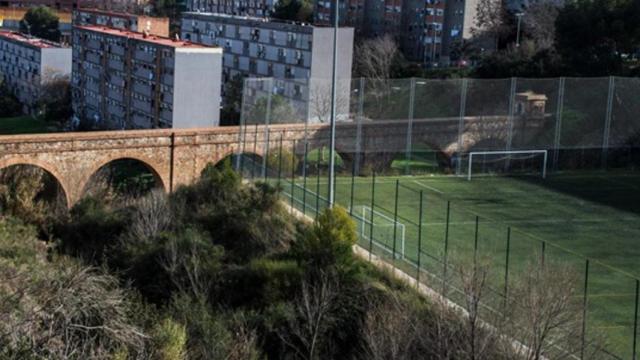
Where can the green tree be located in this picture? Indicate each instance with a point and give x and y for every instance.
(281, 111)
(328, 244)
(55, 100)
(294, 10)
(41, 22)
(232, 102)
(595, 35)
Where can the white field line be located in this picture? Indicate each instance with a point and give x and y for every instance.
(418, 182)
(548, 221)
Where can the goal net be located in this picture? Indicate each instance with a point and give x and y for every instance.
(510, 163)
(384, 231)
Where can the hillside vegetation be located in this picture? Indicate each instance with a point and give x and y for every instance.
(216, 270)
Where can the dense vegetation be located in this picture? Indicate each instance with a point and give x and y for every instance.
(217, 270)
(41, 22)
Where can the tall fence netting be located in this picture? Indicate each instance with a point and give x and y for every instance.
(440, 174)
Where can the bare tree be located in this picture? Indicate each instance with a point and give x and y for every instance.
(480, 338)
(152, 216)
(320, 100)
(375, 57)
(545, 313)
(313, 317)
(539, 21)
(191, 264)
(490, 20)
(391, 330)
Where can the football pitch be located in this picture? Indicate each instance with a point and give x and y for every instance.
(510, 223)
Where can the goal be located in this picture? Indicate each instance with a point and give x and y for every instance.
(516, 162)
(373, 224)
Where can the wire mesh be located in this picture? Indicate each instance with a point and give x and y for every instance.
(397, 143)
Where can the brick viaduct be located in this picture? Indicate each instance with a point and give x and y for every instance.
(178, 156)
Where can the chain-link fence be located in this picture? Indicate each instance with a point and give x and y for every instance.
(414, 160)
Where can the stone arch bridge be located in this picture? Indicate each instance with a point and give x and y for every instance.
(178, 156)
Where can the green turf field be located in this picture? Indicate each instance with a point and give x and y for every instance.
(566, 218)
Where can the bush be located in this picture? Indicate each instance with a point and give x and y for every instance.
(284, 166)
(329, 243)
(92, 229)
(248, 221)
(170, 339)
(59, 309)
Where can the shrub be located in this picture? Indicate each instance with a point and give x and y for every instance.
(59, 309)
(329, 243)
(171, 340)
(283, 163)
(92, 229)
(248, 221)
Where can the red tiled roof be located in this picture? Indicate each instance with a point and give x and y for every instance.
(33, 41)
(142, 37)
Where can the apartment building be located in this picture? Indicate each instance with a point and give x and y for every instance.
(27, 63)
(297, 56)
(75, 4)
(460, 20)
(257, 8)
(427, 31)
(128, 80)
(139, 23)
(423, 27)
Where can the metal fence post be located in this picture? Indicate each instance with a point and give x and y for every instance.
(280, 160)
(475, 240)
(607, 121)
(267, 121)
(353, 188)
(412, 94)
(242, 133)
(293, 173)
(558, 129)
(635, 322)
(506, 268)
(359, 118)
(446, 250)
(584, 308)
(373, 205)
(255, 151)
(510, 119)
(318, 188)
(463, 109)
(395, 220)
(419, 237)
(544, 246)
(304, 178)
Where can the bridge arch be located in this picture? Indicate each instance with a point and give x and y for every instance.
(49, 168)
(162, 179)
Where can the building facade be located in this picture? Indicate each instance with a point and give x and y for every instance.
(69, 5)
(423, 27)
(257, 8)
(460, 20)
(138, 23)
(297, 56)
(27, 63)
(128, 80)
(427, 31)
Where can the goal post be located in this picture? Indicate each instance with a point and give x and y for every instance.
(508, 156)
(373, 224)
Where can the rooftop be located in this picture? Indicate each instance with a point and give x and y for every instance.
(159, 40)
(107, 12)
(117, 13)
(30, 40)
(250, 18)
